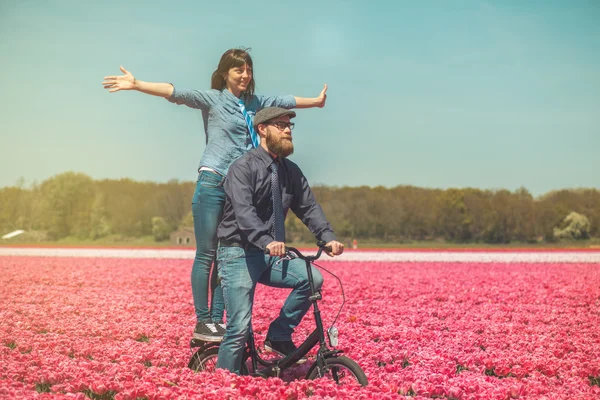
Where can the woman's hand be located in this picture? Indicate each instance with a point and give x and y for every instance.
(123, 82)
(322, 98)
(303, 102)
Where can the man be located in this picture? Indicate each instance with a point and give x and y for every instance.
(260, 187)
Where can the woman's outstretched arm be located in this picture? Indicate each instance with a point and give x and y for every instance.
(309, 102)
(128, 82)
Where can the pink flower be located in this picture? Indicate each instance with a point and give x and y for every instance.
(454, 330)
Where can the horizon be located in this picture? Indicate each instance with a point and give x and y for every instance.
(29, 186)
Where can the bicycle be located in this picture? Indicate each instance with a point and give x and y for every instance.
(329, 362)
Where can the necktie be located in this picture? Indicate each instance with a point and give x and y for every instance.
(278, 217)
(248, 120)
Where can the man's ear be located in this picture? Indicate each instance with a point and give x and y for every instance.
(261, 128)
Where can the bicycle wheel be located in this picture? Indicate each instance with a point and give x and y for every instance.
(207, 361)
(341, 369)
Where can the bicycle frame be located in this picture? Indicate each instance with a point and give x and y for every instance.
(201, 345)
(316, 337)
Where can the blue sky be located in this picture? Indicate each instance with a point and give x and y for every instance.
(486, 94)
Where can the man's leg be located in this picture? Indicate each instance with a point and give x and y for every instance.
(290, 274)
(239, 273)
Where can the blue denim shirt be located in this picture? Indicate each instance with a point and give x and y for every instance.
(227, 136)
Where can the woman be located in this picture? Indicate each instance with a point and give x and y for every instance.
(227, 109)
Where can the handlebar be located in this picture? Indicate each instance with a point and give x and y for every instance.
(309, 261)
(297, 253)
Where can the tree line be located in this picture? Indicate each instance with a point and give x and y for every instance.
(75, 205)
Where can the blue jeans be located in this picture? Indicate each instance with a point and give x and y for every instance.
(240, 271)
(207, 209)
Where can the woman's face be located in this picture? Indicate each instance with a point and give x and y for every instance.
(237, 79)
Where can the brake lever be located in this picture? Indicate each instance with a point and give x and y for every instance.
(287, 257)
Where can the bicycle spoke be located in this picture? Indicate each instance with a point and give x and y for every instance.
(211, 365)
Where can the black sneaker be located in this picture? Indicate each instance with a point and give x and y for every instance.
(283, 348)
(222, 326)
(208, 332)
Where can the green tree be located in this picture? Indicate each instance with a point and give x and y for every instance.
(576, 226)
(99, 225)
(10, 198)
(187, 221)
(502, 223)
(67, 201)
(160, 229)
(453, 218)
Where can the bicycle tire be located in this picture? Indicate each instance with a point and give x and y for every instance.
(336, 370)
(207, 361)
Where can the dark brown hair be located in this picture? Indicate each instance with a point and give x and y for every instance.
(232, 58)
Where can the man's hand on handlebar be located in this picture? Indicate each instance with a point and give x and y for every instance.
(336, 247)
(276, 249)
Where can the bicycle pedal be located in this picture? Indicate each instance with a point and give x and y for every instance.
(259, 374)
(302, 360)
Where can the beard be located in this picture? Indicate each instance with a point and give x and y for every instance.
(282, 146)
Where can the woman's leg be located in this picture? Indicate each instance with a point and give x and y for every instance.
(207, 210)
(217, 305)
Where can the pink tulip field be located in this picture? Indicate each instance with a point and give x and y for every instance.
(120, 328)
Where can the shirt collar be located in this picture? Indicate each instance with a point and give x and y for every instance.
(265, 157)
(231, 96)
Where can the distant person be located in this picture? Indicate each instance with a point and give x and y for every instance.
(228, 109)
(260, 187)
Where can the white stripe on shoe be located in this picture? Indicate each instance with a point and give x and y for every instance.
(208, 332)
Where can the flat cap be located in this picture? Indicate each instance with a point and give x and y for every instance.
(269, 113)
